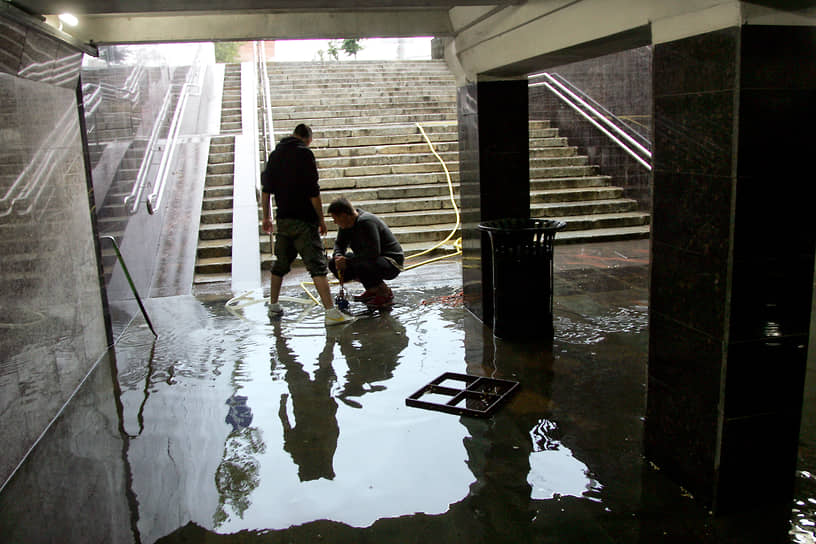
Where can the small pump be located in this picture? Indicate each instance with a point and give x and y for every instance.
(340, 301)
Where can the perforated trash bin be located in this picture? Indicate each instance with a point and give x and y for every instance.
(522, 264)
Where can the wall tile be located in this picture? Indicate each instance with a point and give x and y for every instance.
(694, 133)
(692, 212)
(686, 360)
(689, 288)
(771, 296)
(697, 64)
(758, 462)
(674, 418)
(766, 376)
(778, 57)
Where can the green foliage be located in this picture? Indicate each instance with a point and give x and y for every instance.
(352, 46)
(334, 52)
(226, 52)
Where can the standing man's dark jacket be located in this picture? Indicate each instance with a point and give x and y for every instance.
(291, 175)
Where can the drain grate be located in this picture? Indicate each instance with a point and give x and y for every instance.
(462, 394)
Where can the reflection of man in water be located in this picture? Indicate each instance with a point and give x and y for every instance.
(371, 348)
(312, 440)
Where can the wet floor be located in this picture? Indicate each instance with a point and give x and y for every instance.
(231, 427)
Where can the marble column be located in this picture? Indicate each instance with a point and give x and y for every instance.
(495, 175)
(732, 261)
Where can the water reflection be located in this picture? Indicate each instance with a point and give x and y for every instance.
(310, 435)
(329, 407)
(554, 471)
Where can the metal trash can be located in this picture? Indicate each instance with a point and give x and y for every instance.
(522, 264)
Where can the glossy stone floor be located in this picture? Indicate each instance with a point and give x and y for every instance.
(231, 428)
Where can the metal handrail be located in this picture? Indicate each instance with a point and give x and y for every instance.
(141, 178)
(607, 115)
(192, 81)
(130, 281)
(267, 126)
(574, 101)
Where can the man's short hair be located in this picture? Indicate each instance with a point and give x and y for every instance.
(303, 131)
(341, 205)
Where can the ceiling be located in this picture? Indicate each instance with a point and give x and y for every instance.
(152, 6)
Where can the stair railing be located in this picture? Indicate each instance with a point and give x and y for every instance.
(597, 115)
(267, 128)
(192, 81)
(131, 201)
(133, 289)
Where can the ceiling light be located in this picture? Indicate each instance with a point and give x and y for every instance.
(68, 19)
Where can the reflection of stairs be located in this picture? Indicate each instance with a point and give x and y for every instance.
(565, 186)
(214, 254)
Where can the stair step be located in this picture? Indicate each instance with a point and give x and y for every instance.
(216, 216)
(602, 235)
(573, 194)
(575, 208)
(214, 248)
(388, 180)
(216, 231)
(568, 182)
(409, 249)
(214, 265)
(446, 151)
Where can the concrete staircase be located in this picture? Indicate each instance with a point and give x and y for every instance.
(369, 149)
(214, 253)
(564, 186)
(366, 142)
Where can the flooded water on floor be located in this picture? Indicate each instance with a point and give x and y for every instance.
(234, 427)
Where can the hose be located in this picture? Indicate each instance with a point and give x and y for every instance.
(457, 244)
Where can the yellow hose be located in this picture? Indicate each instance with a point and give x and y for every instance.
(453, 202)
(457, 244)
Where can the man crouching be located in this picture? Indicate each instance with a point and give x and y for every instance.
(375, 253)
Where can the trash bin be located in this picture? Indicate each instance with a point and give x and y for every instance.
(522, 264)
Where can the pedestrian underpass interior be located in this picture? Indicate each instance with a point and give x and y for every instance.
(628, 316)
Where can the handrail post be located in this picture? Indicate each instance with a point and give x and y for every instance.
(130, 281)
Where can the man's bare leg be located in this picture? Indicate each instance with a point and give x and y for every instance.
(274, 287)
(322, 286)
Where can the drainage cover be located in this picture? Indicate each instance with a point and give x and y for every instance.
(462, 394)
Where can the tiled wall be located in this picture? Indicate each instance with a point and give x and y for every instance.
(732, 260)
(622, 83)
(52, 325)
(773, 259)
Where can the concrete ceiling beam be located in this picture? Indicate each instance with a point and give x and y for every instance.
(232, 26)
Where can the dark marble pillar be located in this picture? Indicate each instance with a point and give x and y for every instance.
(494, 169)
(732, 261)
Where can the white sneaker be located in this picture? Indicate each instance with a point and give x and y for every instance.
(336, 317)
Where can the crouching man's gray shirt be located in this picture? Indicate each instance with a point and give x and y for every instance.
(369, 238)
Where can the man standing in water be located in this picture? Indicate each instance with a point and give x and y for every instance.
(291, 175)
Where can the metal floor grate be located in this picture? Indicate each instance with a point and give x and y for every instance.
(462, 394)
